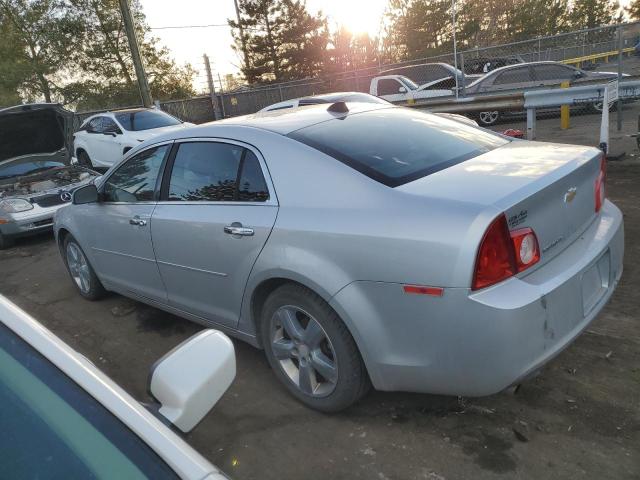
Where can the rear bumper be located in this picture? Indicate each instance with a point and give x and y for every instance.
(479, 343)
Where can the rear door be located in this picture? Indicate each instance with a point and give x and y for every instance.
(216, 212)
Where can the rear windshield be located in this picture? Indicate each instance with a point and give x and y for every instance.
(398, 145)
(145, 120)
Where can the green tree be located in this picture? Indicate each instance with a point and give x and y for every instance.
(348, 51)
(593, 13)
(633, 10)
(108, 74)
(283, 40)
(12, 67)
(46, 32)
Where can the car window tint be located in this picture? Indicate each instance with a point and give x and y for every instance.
(145, 120)
(135, 180)
(388, 86)
(95, 125)
(205, 171)
(516, 75)
(398, 145)
(108, 125)
(252, 187)
(52, 428)
(553, 72)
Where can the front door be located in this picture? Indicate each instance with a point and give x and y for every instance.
(119, 226)
(106, 148)
(215, 215)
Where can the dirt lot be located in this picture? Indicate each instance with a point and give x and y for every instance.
(579, 419)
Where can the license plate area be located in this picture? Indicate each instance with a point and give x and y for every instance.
(595, 282)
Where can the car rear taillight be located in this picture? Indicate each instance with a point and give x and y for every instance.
(599, 190)
(502, 254)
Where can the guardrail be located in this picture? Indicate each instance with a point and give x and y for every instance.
(578, 61)
(529, 101)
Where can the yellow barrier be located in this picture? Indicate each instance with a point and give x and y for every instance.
(577, 62)
(564, 111)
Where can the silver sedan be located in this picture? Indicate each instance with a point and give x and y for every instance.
(358, 245)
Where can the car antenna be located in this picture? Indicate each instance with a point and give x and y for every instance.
(338, 107)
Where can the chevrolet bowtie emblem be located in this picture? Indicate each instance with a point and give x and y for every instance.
(570, 195)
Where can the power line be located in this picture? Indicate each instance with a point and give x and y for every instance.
(209, 25)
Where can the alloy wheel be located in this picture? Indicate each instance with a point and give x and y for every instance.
(304, 351)
(78, 267)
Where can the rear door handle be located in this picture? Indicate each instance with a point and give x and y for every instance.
(236, 228)
(137, 221)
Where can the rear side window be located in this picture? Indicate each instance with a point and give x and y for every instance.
(213, 171)
(553, 72)
(397, 145)
(517, 75)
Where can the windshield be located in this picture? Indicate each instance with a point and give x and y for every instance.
(398, 145)
(18, 169)
(145, 120)
(411, 85)
(52, 428)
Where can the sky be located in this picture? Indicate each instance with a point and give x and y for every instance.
(187, 45)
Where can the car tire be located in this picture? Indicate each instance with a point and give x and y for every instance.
(6, 242)
(314, 355)
(84, 160)
(487, 119)
(81, 271)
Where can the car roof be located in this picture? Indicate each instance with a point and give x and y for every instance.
(515, 65)
(394, 69)
(288, 120)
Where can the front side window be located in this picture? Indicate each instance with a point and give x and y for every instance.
(109, 125)
(52, 428)
(397, 145)
(212, 171)
(95, 125)
(135, 180)
(145, 120)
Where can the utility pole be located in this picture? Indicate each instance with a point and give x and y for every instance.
(242, 39)
(212, 88)
(143, 85)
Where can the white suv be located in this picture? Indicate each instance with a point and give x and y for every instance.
(103, 138)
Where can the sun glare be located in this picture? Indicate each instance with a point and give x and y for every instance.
(357, 16)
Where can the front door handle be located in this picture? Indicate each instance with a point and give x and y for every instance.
(236, 228)
(137, 221)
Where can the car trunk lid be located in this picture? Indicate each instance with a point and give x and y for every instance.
(547, 187)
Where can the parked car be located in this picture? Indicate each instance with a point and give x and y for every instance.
(479, 66)
(348, 97)
(35, 176)
(104, 138)
(430, 72)
(63, 418)
(528, 76)
(396, 88)
(363, 245)
(325, 98)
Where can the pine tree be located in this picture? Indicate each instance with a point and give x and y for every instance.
(283, 40)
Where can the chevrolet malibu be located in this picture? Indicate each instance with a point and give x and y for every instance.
(358, 244)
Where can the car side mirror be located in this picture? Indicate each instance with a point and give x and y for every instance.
(86, 194)
(577, 74)
(190, 379)
(402, 90)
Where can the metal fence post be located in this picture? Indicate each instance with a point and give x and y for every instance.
(619, 102)
(531, 123)
(464, 88)
(212, 89)
(280, 92)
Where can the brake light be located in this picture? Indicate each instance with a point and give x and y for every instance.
(502, 254)
(599, 191)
